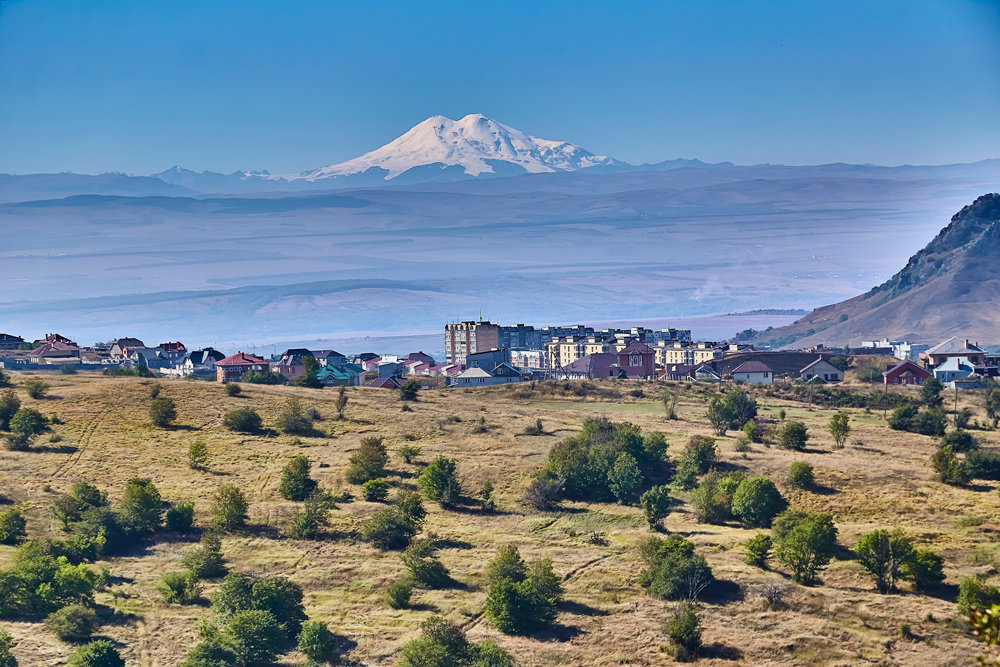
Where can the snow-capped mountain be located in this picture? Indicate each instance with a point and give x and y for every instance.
(475, 144)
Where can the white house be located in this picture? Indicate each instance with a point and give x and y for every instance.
(478, 377)
(953, 368)
(753, 372)
(823, 370)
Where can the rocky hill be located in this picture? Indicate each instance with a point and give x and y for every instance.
(950, 287)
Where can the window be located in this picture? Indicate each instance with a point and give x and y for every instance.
(636, 360)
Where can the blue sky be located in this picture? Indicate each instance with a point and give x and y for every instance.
(287, 86)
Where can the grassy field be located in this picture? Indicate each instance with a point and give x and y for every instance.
(882, 478)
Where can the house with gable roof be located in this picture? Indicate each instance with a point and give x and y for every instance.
(231, 369)
(821, 369)
(753, 372)
(637, 360)
(953, 347)
(905, 372)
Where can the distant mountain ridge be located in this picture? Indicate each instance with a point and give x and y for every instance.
(949, 288)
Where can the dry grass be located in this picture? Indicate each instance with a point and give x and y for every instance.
(883, 482)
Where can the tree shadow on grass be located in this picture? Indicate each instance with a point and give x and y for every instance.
(181, 427)
(54, 449)
(979, 487)
(945, 592)
(452, 544)
(720, 652)
(110, 616)
(557, 632)
(723, 592)
(258, 530)
(580, 609)
(821, 490)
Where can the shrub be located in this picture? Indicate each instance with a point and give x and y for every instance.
(278, 596)
(753, 430)
(485, 496)
(37, 583)
(625, 478)
(313, 518)
(179, 587)
(960, 441)
(408, 453)
(840, 428)
(9, 405)
(254, 636)
(210, 653)
(884, 554)
(375, 490)
(702, 452)
(197, 455)
(713, 498)
(341, 402)
(162, 411)
(673, 570)
(12, 526)
(507, 564)
(656, 504)
(408, 392)
(950, 469)
(141, 506)
(793, 435)
(444, 644)
(296, 484)
(517, 608)
(233, 389)
(67, 369)
(72, 623)
(242, 420)
(544, 493)
(98, 653)
(425, 568)
(205, 559)
(982, 464)
(410, 506)
(962, 418)
(757, 501)
(930, 392)
(973, 592)
(804, 542)
(800, 475)
(317, 642)
(991, 402)
(368, 462)
(684, 632)
(229, 508)
(294, 420)
(535, 429)
(925, 569)
(180, 517)
(399, 593)
(439, 482)
(257, 377)
(28, 422)
(7, 658)
(757, 550)
(719, 414)
(36, 388)
(69, 507)
(546, 582)
(388, 528)
(17, 442)
(742, 444)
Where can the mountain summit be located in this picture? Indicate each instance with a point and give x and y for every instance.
(473, 145)
(949, 288)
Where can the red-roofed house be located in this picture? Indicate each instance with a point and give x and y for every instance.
(231, 369)
(55, 352)
(386, 383)
(753, 372)
(637, 360)
(905, 372)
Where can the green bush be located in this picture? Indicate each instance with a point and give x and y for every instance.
(258, 377)
(162, 412)
(673, 570)
(925, 569)
(37, 583)
(98, 653)
(313, 518)
(375, 490)
(684, 631)
(242, 420)
(67, 369)
(804, 542)
(197, 455)
(517, 608)
(233, 389)
(68, 508)
(229, 508)
(278, 596)
(180, 517)
(425, 569)
(408, 453)
(950, 469)
(757, 550)
(753, 430)
(701, 451)
(546, 581)
(294, 420)
(926, 422)
(757, 501)
(205, 559)
(656, 503)
(254, 636)
(310, 368)
(141, 506)
(983, 464)
(930, 392)
(9, 405)
(507, 564)
(408, 392)
(840, 428)
(388, 528)
(179, 587)
(7, 658)
(12, 526)
(296, 484)
(800, 475)
(973, 592)
(410, 506)
(210, 653)
(731, 411)
(884, 555)
(625, 478)
(368, 462)
(439, 482)
(36, 388)
(443, 644)
(960, 441)
(399, 593)
(793, 435)
(712, 500)
(318, 643)
(72, 623)
(28, 422)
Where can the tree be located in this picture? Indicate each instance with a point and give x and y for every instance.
(318, 643)
(800, 475)
(742, 406)
(805, 543)
(656, 504)
(294, 420)
(313, 518)
(546, 581)
(205, 559)
(341, 402)
(9, 405)
(684, 632)
(296, 484)
(443, 644)
(179, 587)
(279, 596)
(960, 441)
(973, 592)
(399, 593)
(757, 501)
(7, 658)
(69, 508)
(210, 653)
(229, 508)
(507, 564)
(28, 422)
(840, 428)
(310, 368)
(884, 554)
(544, 493)
(162, 411)
(72, 623)
(625, 478)
(713, 499)
(439, 481)
(242, 420)
(720, 415)
(98, 653)
(233, 389)
(517, 608)
(410, 506)
(673, 571)
(12, 526)
(141, 506)
(426, 570)
(388, 528)
(375, 490)
(180, 517)
(368, 462)
(930, 392)
(992, 403)
(254, 636)
(793, 435)
(408, 392)
(198, 455)
(701, 451)
(962, 418)
(757, 550)
(950, 469)
(408, 453)
(36, 388)
(925, 569)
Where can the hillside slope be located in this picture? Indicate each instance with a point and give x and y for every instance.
(950, 287)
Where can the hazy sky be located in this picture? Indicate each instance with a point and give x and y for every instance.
(290, 85)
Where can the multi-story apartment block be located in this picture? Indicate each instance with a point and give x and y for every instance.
(686, 353)
(464, 338)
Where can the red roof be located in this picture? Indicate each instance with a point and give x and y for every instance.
(907, 365)
(240, 359)
(172, 347)
(752, 367)
(385, 383)
(637, 347)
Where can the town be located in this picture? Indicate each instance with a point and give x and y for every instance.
(481, 353)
